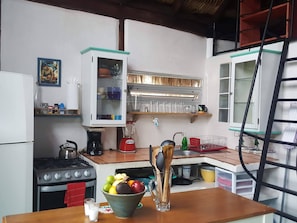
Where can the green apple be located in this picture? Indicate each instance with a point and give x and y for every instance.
(110, 179)
(106, 187)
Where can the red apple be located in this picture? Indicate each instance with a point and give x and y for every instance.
(137, 186)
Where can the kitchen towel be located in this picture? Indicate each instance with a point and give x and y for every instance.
(75, 194)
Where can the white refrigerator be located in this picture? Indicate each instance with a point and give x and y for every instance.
(16, 143)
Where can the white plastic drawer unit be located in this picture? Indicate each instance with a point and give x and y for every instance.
(239, 183)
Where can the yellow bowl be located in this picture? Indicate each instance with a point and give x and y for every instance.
(208, 173)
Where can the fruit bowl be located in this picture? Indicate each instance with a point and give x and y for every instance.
(123, 205)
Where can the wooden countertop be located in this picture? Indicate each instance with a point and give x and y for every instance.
(208, 205)
(229, 156)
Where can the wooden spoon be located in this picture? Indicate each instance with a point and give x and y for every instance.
(157, 171)
(168, 155)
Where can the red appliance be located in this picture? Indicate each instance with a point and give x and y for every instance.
(127, 143)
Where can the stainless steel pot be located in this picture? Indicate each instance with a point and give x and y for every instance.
(67, 151)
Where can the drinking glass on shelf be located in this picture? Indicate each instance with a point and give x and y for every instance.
(187, 109)
(145, 107)
(161, 107)
(174, 107)
(180, 107)
(168, 107)
(194, 109)
(155, 106)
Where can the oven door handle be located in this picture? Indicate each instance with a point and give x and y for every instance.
(55, 188)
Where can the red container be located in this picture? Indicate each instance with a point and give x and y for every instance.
(195, 142)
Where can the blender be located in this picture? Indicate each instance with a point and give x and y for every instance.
(127, 143)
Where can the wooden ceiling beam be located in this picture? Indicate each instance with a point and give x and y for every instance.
(177, 5)
(139, 10)
(224, 8)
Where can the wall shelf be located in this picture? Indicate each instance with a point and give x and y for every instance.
(67, 113)
(253, 19)
(190, 115)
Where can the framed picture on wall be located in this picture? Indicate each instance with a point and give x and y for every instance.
(49, 72)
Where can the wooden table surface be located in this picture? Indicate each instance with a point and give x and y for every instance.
(208, 205)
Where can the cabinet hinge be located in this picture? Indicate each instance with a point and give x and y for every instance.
(92, 59)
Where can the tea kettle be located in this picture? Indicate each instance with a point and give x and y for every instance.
(67, 151)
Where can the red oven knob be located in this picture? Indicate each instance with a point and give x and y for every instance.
(47, 177)
(77, 174)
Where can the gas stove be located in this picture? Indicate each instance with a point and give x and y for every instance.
(57, 171)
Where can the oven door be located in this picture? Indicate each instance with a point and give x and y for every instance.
(52, 196)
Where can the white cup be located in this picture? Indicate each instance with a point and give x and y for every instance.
(186, 171)
(87, 205)
(101, 90)
(180, 171)
(93, 212)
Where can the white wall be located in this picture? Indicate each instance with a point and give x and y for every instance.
(159, 49)
(163, 50)
(31, 30)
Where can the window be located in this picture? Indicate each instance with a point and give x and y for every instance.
(224, 92)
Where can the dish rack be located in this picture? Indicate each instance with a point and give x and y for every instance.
(207, 143)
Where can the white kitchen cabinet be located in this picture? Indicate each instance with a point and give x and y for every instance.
(103, 170)
(104, 87)
(243, 65)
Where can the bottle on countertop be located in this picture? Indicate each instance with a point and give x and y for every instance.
(184, 143)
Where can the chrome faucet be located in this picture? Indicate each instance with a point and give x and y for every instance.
(177, 133)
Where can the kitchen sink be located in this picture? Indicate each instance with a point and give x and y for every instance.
(184, 153)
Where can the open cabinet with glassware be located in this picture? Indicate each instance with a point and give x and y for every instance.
(104, 87)
(155, 94)
(243, 66)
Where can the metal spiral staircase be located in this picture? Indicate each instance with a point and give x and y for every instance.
(288, 169)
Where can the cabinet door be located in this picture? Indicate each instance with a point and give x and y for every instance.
(243, 65)
(241, 82)
(108, 89)
(224, 92)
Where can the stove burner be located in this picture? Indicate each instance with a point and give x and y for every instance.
(51, 179)
(57, 171)
(54, 163)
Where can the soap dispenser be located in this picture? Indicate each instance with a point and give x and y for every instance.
(184, 145)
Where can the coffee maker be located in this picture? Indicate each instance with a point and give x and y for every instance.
(94, 145)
